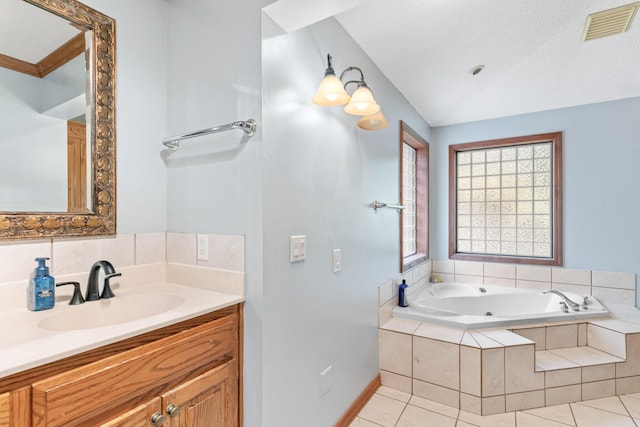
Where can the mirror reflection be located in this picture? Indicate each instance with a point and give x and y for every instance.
(45, 99)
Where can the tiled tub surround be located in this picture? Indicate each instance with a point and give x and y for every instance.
(491, 371)
(149, 263)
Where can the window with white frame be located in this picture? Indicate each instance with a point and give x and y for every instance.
(505, 200)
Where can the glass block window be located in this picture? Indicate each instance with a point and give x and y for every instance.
(505, 200)
(414, 195)
(409, 200)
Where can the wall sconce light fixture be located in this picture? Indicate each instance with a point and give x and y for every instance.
(333, 92)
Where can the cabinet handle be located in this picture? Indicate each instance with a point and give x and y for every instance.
(173, 411)
(157, 419)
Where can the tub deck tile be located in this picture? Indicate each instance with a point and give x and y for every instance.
(586, 356)
(548, 361)
(440, 333)
(397, 324)
(483, 340)
(505, 337)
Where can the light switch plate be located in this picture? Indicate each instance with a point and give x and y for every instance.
(337, 260)
(203, 247)
(297, 248)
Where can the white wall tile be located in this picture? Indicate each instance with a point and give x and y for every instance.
(395, 381)
(530, 284)
(443, 266)
(181, 248)
(571, 277)
(492, 372)
(528, 400)
(609, 341)
(436, 362)
(582, 290)
(385, 293)
(614, 280)
(598, 389)
(470, 280)
(562, 336)
(614, 296)
(503, 271)
(17, 259)
(538, 274)
(559, 395)
(385, 312)
(468, 268)
(395, 352)
(225, 251)
(77, 256)
(151, 247)
(496, 281)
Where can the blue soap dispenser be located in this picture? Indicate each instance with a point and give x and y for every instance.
(402, 294)
(41, 293)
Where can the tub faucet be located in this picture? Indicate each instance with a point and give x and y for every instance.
(93, 289)
(574, 305)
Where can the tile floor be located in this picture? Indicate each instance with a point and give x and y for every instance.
(393, 408)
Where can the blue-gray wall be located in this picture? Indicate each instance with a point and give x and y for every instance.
(320, 174)
(601, 175)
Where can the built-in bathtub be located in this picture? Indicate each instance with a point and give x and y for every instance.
(481, 306)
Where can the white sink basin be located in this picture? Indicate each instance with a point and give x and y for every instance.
(112, 311)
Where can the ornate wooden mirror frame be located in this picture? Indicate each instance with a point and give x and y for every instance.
(102, 220)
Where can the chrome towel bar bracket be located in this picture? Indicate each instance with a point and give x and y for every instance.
(248, 126)
(377, 205)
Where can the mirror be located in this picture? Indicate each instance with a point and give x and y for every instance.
(57, 127)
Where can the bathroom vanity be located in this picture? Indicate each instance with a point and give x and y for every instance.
(184, 374)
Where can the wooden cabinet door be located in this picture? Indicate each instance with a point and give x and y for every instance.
(15, 408)
(137, 417)
(209, 400)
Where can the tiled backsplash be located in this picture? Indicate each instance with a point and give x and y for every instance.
(124, 250)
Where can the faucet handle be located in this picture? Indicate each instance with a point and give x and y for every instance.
(106, 290)
(77, 293)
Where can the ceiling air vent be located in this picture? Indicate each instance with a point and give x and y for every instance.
(609, 22)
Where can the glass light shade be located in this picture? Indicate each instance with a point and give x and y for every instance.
(331, 92)
(362, 103)
(375, 121)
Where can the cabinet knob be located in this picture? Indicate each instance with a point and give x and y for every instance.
(173, 411)
(157, 419)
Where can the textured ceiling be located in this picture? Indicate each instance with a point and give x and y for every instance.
(532, 50)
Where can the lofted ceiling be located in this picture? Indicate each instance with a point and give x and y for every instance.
(532, 50)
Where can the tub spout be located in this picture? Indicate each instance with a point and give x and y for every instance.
(574, 305)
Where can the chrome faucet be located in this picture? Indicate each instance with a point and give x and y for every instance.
(93, 291)
(574, 305)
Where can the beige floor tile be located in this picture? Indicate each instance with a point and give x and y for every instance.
(382, 410)
(414, 416)
(394, 394)
(632, 404)
(500, 420)
(434, 406)
(361, 422)
(463, 424)
(559, 413)
(609, 404)
(586, 416)
(528, 420)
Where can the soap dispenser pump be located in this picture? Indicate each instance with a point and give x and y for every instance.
(42, 288)
(402, 294)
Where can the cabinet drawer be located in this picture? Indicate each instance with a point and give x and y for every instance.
(77, 395)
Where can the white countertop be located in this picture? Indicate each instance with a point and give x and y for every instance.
(32, 339)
